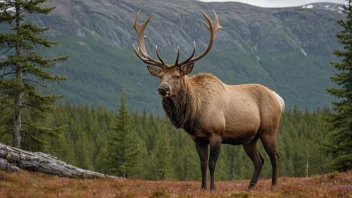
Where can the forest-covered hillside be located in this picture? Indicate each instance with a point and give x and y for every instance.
(287, 49)
(155, 150)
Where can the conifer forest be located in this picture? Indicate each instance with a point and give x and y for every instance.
(146, 146)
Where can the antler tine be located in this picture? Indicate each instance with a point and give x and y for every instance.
(190, 57)
(208, 19)
(139, 27)
(142, 58)
(142, 52)
(178, 55)
(206, 25)
(217, 21)
(212, 26)
(136, 19)
(157, 53)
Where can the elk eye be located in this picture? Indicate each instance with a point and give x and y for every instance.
(176, 76)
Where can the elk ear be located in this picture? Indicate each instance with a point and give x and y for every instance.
(186, 69)
(154, 71)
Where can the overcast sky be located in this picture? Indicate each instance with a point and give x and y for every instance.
(279, 3)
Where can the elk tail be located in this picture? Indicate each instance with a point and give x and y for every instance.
(281, 101)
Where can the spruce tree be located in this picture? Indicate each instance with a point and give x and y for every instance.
(23, 72)
(123, 145)
(340, 141)
(162, 158)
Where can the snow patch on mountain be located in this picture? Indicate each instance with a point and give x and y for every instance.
(325, 6)
(308, 6)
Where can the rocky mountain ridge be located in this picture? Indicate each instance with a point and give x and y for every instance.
(287, 49)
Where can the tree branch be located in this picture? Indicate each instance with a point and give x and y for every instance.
(31, 125)
(35, 82)
(31, 110)
(7, 74)
(8, 131)
(5, 132)
(33, 106)
(6, 51)
(6, 107)
(6, 69)
(30, 135)
(5, 120)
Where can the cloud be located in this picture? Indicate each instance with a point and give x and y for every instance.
(278, 3)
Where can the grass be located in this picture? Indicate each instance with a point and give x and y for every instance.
(28, 184)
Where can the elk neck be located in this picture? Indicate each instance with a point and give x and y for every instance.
(182, 109)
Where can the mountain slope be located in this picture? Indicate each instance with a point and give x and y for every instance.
(287, 49)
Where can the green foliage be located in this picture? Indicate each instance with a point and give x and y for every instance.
(23, 72)
(124, 146)
(340, 144)
(155, 150)
(162, 158)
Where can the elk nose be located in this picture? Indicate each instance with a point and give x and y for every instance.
(163, 90)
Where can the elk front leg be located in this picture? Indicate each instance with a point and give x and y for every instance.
(202, 150)
(215, 144)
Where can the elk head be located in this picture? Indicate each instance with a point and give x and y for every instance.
(171, 75)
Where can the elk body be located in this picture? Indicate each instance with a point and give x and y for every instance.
(214, 113)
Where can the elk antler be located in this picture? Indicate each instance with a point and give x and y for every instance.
(212, 26)
(142, 52)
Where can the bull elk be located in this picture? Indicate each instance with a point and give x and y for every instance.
(212, 112)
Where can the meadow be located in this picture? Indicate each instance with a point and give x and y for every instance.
(29, 184)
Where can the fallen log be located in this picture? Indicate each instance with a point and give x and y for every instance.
(13, 159)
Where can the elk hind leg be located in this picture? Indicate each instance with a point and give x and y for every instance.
(269, 143)
(202, 150)
(253, 153)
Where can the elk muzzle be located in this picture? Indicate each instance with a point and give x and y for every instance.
(164, 90)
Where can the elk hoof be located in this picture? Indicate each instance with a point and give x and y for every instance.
(273, 187)
(251, 185)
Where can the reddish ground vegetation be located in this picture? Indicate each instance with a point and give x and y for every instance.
(27, 184)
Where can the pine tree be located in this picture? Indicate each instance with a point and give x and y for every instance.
(23, 72)
(138, 161)
(123, 148)
(162, 158)
(340, 144)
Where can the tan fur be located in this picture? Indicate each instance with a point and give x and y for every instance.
(232, 111)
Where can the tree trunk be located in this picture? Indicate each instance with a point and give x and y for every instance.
(16, 140)
(12, 159)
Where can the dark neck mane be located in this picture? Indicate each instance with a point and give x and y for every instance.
(180, 109)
